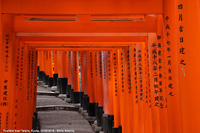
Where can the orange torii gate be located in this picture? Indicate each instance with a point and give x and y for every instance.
(154, 73)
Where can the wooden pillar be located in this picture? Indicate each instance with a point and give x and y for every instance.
(6, 101)
(110, 83)
(122, 89)
(90, 77)
(135, 123)
(153, 70)
(140, 85)
(50, 62)
(95, 78)
(161, 76)
(187, 18)
(171, 58)
(82, 71)
(76, 72)
(147, 89)
(55, 54)
(116, 95)
(85, 62)
(105, 88)
(99, 82)
(35, 58)
(129, 89)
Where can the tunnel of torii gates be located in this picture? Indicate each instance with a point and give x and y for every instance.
(139, 61)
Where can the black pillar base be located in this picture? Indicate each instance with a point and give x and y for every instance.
(72, 94)
(44, 77)
(120, 129)
(63, 85)
(46, 80)
(55, 77)
(59, 84)
(85, 101)
(68, 91)
(77, 97)
(96, 111)
(117, 130)
(108, 123)
(50, 82)
(34, 121)
(82, 93)
(99, 115)
(41, 73)
(91, 109)
(38, 70)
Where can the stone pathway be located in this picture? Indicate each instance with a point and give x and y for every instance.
(54, 115)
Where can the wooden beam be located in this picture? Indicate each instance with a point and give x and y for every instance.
(74, 49)
(63, 44)
(28, 34)
(21, 24)
(83, 46)
(80, 39)
(82, 6)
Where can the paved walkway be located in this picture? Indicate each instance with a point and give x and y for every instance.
(59, 120)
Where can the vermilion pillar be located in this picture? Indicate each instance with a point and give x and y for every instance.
(95, 80)
(162, 75)
(76, 86)
(6, 71)
(70, 79)
(99, 91)
(108, 116)
(47, 67)
(172, 62)
(91, 91)
(21, 86)
(100, 78)
(50, 63)
(140, 85)
(85, 69)
(105, 87)
(40, 67)
(18, 94)
(116, 95)
(44, 65)
(82, 85)
(129, 87)
(187, 19)
(59, 82)
(147, 91)
(55, 67)
(154, 84)
(63, 71)
(122, 88)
